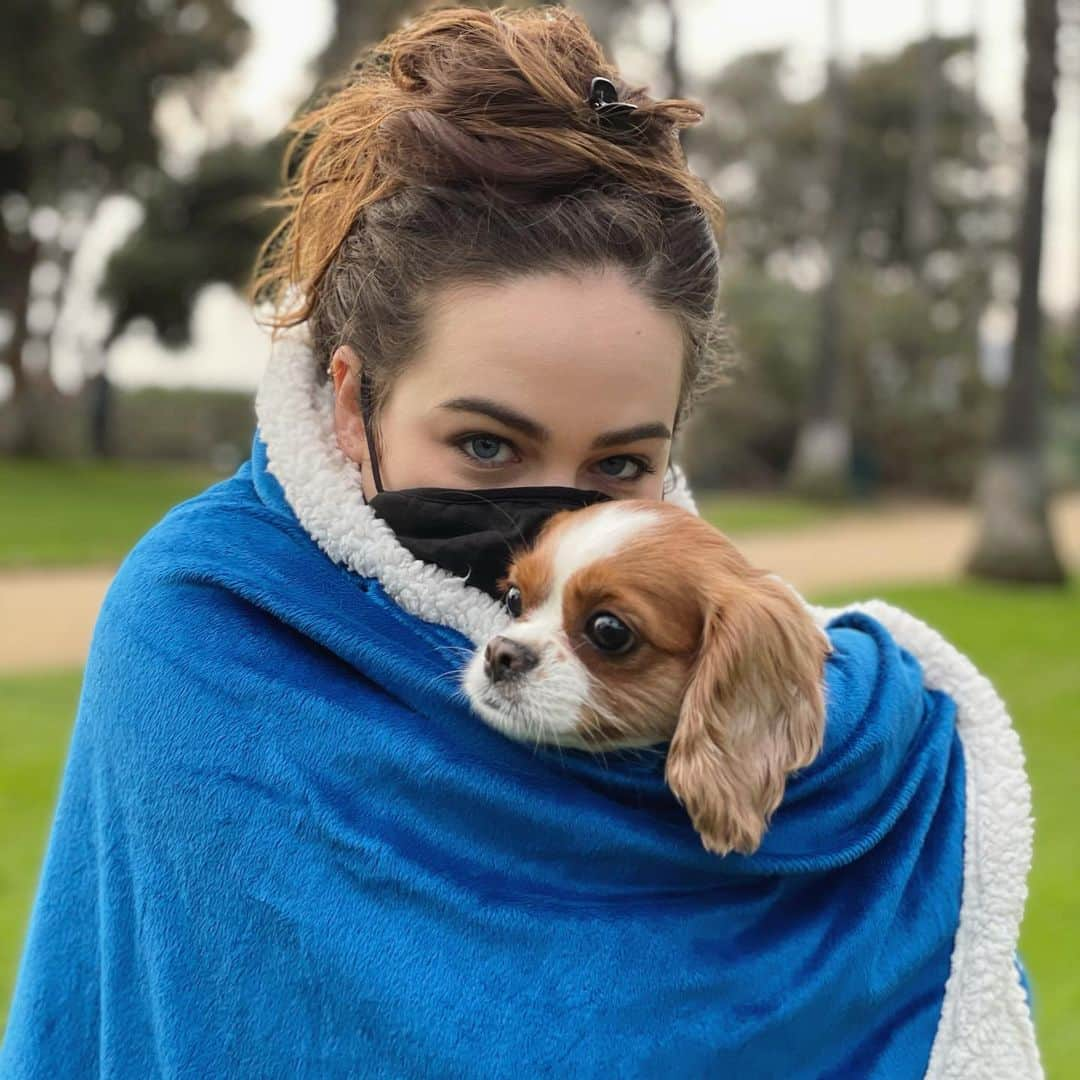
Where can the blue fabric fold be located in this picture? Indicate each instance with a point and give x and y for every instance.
(284, 846)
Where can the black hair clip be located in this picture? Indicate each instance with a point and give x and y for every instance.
(603, 97)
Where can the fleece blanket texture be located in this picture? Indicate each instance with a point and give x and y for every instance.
(284, 845)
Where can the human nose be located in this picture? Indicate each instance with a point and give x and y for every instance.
(557, 478)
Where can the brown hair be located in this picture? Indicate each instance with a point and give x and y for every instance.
(462, 148)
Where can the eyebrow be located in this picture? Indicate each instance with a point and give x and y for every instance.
(513, 419)
(639, 431)
(503, 414)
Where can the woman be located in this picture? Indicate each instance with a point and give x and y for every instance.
(284, 846)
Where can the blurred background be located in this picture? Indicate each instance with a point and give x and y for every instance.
(902, 283)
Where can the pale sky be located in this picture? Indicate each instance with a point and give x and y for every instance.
(228, 350)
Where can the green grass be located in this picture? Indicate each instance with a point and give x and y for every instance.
(36, 712)
(1024, 640)
(79, 513)
(738, 513)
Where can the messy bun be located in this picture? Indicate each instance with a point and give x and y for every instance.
(462, 148)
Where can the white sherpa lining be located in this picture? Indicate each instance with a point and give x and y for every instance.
(985, 1029)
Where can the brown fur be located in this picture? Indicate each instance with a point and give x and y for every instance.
(730, 666)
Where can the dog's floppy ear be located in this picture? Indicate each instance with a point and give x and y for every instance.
(753, 712)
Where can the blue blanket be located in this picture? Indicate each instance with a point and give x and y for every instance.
(285, 847)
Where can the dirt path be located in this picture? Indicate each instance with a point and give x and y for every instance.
(905, 543)
(47, 616)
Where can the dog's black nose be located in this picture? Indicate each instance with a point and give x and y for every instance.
(505, 657)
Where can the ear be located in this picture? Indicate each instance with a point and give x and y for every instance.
(348, 423)
(753, 712)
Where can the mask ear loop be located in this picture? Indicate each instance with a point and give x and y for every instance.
(365, 409)
(669, 472)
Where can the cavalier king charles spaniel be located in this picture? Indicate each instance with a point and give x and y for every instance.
(636, 622)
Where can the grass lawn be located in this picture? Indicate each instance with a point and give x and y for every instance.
(1025, 640)
(740, 513)
(73, 513)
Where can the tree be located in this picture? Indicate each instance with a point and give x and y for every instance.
(1015, 542)
(196, 230)
(912, 379)
(920, 223)
(672, 63)
(821, 465)
(79, 83)
(1073, 14)
(212, 222)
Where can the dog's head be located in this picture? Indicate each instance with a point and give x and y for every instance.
(636, 622)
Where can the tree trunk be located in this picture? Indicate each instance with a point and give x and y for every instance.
(1076, 317)
(99, 399)
(821, 465)
(673, 70)
(21, 260)
(921, 211)
(672, 66)
(1015, 542)
(979, 254)
(1076, 361)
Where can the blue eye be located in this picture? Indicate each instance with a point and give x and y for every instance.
(490, 443)
(486, 447)
(622, 461)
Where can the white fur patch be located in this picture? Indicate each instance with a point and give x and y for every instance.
(600, 534)
(543, 707)
(580, 544)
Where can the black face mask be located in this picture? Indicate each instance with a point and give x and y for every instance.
(471, 533)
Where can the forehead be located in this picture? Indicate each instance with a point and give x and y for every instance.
(578, 353)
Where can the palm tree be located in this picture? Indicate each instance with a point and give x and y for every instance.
(1075, 21)
(821, 465)
(1015, 542)
(921, 210)
(672, 64)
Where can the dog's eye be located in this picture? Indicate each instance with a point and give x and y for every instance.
(608, 633)
(513, 600)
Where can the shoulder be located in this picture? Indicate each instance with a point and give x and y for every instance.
(943, 667)
(991, 745)
(201, 611)
(225, 540)
(220, 527)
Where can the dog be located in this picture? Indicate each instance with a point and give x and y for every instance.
(636, 622)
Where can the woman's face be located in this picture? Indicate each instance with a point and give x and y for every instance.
(550, 379)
